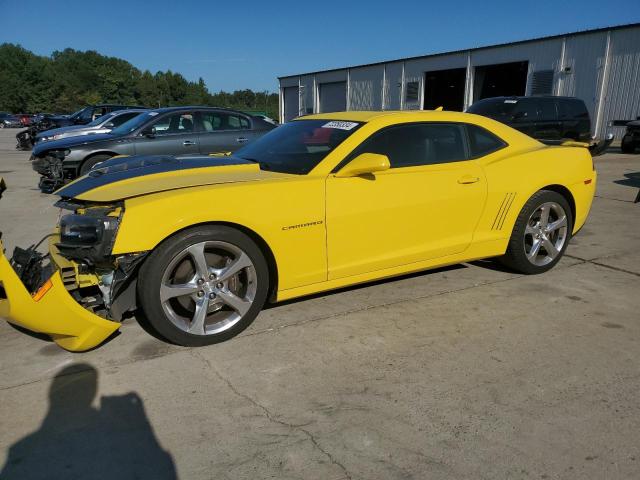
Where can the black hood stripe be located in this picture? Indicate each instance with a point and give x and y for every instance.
(119, 169)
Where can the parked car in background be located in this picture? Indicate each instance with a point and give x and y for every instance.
(25, 119)
(267, 119)
(88, 114)
(631, 139)
(27, 138)
(103, 124)
(546, 118)
(168, 131)
(8, 120)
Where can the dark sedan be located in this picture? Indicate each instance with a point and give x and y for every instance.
(169, 131)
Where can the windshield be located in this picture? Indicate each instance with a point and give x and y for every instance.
(78, 113)
(98, 121)
(297, 147)
(133, 124)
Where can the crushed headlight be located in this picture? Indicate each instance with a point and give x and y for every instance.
(88, 234)
(85, 229)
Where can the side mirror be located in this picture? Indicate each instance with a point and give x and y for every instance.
(109, 125)
(149, 132)
(363, 164)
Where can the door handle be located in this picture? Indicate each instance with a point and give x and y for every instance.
(242, 139)
(188, 142)
(467, 179)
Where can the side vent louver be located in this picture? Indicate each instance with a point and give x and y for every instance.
(507, 201)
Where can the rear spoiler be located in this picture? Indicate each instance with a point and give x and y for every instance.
(595, 148)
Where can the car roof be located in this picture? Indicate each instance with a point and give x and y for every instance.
(411, 115)
(194, 107)
(127, 110)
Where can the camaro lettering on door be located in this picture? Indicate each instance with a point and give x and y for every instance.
(302, 225)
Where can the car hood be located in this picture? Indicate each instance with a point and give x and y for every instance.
(56, 131)
(71, 142)
(125, 177)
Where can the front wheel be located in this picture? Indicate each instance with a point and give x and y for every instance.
(91, 162)
(541, 233)
(203, 286)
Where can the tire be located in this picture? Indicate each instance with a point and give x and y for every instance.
(178, 314)
(627, 145)
(530, 229)
(91, 162)
(1, 124)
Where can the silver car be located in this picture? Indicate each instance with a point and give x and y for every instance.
(103, 124)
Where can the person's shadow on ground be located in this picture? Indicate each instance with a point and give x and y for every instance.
(79, 441)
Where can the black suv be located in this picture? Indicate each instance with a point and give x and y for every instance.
(544, 118)
(165, 131)
(631, 139)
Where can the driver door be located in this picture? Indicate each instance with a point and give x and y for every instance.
(172, 134)
(425, 206)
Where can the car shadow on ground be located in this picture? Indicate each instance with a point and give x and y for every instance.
(79, 440)
(631, 180)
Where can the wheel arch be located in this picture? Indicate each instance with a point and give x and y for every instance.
(257, 238)
(94, 154)
(568, 196)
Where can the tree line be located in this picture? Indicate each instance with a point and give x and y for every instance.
(71, 79)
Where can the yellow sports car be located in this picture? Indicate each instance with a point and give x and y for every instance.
(197, 245)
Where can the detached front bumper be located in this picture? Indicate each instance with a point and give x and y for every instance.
(51, 310)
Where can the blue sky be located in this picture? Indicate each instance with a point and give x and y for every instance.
(247, 44)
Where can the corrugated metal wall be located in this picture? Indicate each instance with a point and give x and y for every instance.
(365, 89)
(602, 68)
(621, 92)
(393, 86)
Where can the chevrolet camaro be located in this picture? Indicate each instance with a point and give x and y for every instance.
(194, 246)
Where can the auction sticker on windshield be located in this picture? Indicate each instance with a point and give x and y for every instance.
(340, 125)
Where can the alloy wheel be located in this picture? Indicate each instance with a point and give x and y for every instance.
(545, 234)
(208, 287)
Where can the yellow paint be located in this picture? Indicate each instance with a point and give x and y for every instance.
(349, 227)
(54, 313)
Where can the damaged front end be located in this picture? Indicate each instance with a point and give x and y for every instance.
(78, 292)
(50, 167)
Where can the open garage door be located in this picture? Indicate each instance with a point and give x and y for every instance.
(445, 88)
(291, 103)
(504, 79)
(333, 97)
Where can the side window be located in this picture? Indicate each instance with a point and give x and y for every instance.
(482, 142)
(418, 144)
(211, 121)
(526, 110)
(236, 122)
(548, 109)
(173, 124)
(120, 119)
(572, 109)
(98, 112)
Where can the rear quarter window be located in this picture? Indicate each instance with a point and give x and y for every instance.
(482, 142)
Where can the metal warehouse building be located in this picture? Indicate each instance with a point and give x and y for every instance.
(602, 67)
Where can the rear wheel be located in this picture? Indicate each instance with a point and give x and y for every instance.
(203, 286)
(541, 233)
(91, 162)
(627, 145)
